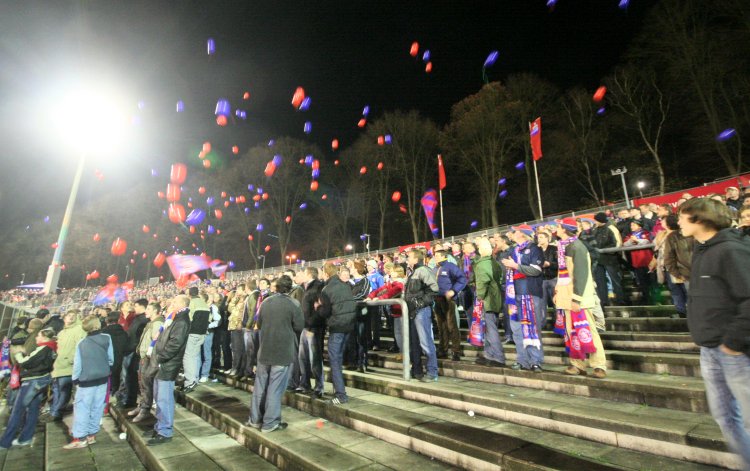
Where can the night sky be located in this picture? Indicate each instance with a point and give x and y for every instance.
(345, 54)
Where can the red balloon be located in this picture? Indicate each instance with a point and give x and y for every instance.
(380, 165)
(223, 194)
(201, 155)
(335, 162)
(176, 213)
(363, 170)
(362, 122)
(599, 94)
(335, 144)
(218, 213)
(246, 96)
(88, 277)
(173, 192)
(267, 248)
(97, 237)
(54, 245)
(190, 204)
(206, 163)
(132, 261)
(428, 67)
(160, 194)
(396, 196)
(221, 120)
(235, 150)
(288, 219)
(324, 197)
(270, 169)
(264, 196)
(206, 147)
(226, 204)
(299, 95)
(381, 140)
(135, 252)
(414, 50)
(202, 190)
(119, 246)
(159, 260)
(94, 275)
(178, 174)
(146, 229)
(256, 198)
(315, 164)
(402, 208)
(192, 229)
(313, 186)
(144, 255)
(250, 237)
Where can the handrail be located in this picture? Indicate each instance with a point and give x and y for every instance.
(406, 361)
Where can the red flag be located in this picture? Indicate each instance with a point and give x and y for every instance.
(441, 172)
(535, 134)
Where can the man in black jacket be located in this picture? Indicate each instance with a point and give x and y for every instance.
(128, 392)
(719, 315)
(311, 340)
(167, 357)
(338, 307)
(607, 264)
(120, 346)
(279, 321)
(199, 314)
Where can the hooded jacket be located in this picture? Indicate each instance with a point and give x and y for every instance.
(313, 320)
(338, 306)
(67, 340)
(39, 362)
(719, 295)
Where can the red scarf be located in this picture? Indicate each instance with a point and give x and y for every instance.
(50, 343)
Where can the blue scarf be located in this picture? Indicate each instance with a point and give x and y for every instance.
(521, 308)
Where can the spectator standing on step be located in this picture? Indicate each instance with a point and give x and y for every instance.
(146, 373)
(451, 281)
(199, 319)
(237, 309)
(311, 340)
(167, 357)
(206, 358)
(62, 382)
(279, 321)
(120, 346)
(549, 267)
(487, 279)
(640, 259)
(420, 290)
(375, 312)
(93, 362)
(607, 266)
(136, 322)
(338, 307)
(575, 297)
(393, 288)
(523, 295)
(718, 314)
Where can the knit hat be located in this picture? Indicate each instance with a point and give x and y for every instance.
(601, 217)
(569, 224)
(525, 228)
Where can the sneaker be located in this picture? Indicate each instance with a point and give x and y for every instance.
(76, 443)
(428, 379)
(375, 348)
(518, 366)
(536, 369)
(151, 433)
(204, 379)
(508, 341)
(158, 440)
(252, 425)
(279, 426)
(232, 373)
(134, 412)
(26, 443)
(599, 373)
(362, 369)
(337, 401)
(91, 439)
(317, 394)
(142, 415)
(189, 388)
(495, 364)
(574, 371)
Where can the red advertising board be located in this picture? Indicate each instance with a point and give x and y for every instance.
(740, 181)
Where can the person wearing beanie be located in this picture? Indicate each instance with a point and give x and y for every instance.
(608, 265)
(640, 259)
(523, 297)
(575, 298)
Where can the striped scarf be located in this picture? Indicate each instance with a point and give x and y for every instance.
(525, 315)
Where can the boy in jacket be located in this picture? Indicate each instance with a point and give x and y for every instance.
(451, 280)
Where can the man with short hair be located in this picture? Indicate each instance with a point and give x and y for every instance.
(167, 357)
(62, 371)
(451, 280)
(607, 264)
(199, 317)
(718, 313)
(311, 339)
(375, 312)
(733, 197)
(487, 279)
(279, 320)
(146, 374)
(419, 290)
(128, 392)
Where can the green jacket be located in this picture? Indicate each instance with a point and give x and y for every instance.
(487, 277)
(67, 340)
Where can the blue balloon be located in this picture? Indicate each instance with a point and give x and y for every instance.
(231, 199)
(520, 166)
(210, 200)
(223, 108)
(238, 113)
(247, 210)
(308, 127)
(260, 191)
(257, 204)
(243, 114)
(426, 56)
(491, 59)
(309, 159)
(154, 173)
(230, 264)
(366, 111)
(250, 187)
(211, 229)
(190, 199)
(503, 194)
(726, 134)
(623, 4)
(305, 105)
(259, 227)
(277, 160)
(316, 173)
(551, 3)
(435, 231)
(473, 224)
(502, 181)
(46, 218)
(211, 46)
(303, 206)
(388, 139)
(196, 217)
(180, 106)
(271, 143)
(601, 111)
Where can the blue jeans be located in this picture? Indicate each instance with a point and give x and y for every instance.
(62, 387)
(252, 345)
(311, 359)
(268, 390)
(398, 331)
(25, 410)
(423, 324)
(336, 342)
(204, 366)
(679, 294)
(88, 409)
(493, 346)
(164, 397)
(726, 378)
(528, 356)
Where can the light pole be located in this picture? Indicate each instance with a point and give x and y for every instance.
(621, 172)
(365, 238)
(263, 267)
(641, 185)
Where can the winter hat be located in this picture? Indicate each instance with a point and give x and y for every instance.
(525, 228)
(569, 224)
(601, 217)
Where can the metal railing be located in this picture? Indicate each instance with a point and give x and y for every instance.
(406, 360)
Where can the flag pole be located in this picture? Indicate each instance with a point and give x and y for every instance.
(538, 192)
(442, 225)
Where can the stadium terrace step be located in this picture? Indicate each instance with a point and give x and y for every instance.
(633, 324)
(679, 364)
(489, 442)
(27, 457)
(196, 445)
(309, 443)
(671, 392)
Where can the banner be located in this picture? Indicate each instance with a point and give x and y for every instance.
(720, 187)
(404, 248)
(429, 204)
(535, 136)
(441, 173)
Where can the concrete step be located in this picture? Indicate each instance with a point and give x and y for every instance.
(661, 362)
(476, 435)
(310, 442)
(632, 324)
(27, 457)
(196, 445)
(656, 390)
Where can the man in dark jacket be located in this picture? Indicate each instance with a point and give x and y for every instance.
(338, 307)
(607, 264)
(279, 321)
(451, 280)
(128, 392)
(199, 314)
(54, 322)
(167, 357)
(311, 339)
(719, 315)
(120, 346)
(420, 290)
(549, 267)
